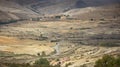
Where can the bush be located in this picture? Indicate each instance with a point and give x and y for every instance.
(15, 65)
(42, 62)
(43, 53)
(68, 64)
(108, 61)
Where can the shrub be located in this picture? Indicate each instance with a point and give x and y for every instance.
(102, 19)
(15, 65)
(43, 53)
(42, 62)
(68, 64)
(92, 19)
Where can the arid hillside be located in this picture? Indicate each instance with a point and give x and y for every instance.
(100, 12)
(68, 33)
(26, 9)
(10, 10)
(78, 42)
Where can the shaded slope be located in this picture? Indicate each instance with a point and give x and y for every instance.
(10, 10)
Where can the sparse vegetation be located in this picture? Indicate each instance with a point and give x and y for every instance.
(42, 62)
(15, 65)
(108, 44)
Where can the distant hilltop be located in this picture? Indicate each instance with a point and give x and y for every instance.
(26, 9)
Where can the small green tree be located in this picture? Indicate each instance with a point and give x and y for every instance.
(42, 62)
(38, 54)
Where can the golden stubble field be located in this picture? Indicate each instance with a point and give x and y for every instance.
(26, 46)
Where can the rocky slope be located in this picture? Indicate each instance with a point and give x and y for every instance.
(60, 6)
(10, 10)
(24, 9)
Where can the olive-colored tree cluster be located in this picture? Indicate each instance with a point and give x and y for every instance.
(108, 61)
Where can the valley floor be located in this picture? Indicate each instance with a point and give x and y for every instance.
(78, 42)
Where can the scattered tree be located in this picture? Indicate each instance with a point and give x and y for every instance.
(43, 53)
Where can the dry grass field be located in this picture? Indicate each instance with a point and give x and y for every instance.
(12, 44)
(80, 42)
